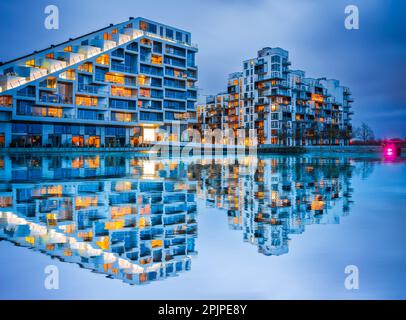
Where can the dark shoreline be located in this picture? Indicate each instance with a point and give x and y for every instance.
(264, 149)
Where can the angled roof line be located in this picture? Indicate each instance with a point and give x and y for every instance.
(59, 44)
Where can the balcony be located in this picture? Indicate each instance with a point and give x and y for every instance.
(56, 98)
(273, 75)
(119, 104)
(123, 92)
(175, 51)
(120, 38)
(123, 117)
(175, 73)
(30, 72)
(119, 53)
(43, 112)
(102, 44)
(91, 89)
(52, 65)
(89, 51)
(121, 67)
(70, 57)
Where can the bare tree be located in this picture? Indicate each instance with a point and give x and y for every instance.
(364, 132)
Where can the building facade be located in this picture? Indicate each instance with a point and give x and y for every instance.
(123, 85)
(283, 106)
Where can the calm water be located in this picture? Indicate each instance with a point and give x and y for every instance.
(273, 227)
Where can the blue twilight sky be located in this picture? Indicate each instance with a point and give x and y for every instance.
(371, 60)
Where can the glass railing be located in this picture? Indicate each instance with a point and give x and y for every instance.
(121, 68)
(91, 89)
(56, 99)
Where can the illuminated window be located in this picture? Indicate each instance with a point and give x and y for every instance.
(143, 80)
(122, 92)
(68, 74)
(68, 49)
(155, 59)
(6, 201)
(156, 243)
(6, 101)
(115, 78)
(114, 225)
(145, 92)
(86, 101)
(149, 134)
(94, 162)
(51, 83)
(143, 25)
(87, 67)
(103, 59)
(85, 202)
(30, 63)
(54, 112)
(146, 41)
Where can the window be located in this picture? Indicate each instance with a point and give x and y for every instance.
(90, 130)
(86, 67)
(149, 27)
(103, 59)
(169, 33)
(86, 101)
(179, 36)
(6, 101)
(149, 116)
(123, 117)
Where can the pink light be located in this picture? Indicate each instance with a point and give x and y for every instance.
(389, 152)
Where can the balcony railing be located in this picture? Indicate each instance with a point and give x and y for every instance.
(120, 68)
(91, 89)
(55, 98)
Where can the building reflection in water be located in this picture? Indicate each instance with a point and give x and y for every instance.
(135, 219)
(270, 199)
(130, 219)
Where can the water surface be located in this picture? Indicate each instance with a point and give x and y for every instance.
(120, 226)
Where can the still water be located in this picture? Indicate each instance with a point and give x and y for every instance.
(120, 226)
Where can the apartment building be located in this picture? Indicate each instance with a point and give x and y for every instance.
(283, 105)
(122, 85)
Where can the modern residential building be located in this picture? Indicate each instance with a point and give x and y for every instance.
(284, 106)
(118, 86)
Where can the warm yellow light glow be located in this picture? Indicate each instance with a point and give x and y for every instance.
(149, 134)
(149, 168)
(114, 225)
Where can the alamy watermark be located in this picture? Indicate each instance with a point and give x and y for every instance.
(51, 281)
(195, 143)
(351, 281)
(351, 21)
(51, 21)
